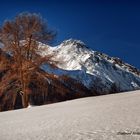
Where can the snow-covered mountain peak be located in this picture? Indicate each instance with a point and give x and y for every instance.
(71, 54)
(73, 42)
(94, 69)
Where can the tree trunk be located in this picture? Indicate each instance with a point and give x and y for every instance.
(25, 100)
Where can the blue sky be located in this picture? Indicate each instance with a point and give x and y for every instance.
(112, 27)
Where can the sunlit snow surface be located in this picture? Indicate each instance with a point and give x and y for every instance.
(109, 117)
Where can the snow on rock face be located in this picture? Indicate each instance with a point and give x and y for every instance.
(94, 69)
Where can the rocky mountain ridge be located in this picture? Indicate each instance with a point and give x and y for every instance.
(79, 72)
(93, 69)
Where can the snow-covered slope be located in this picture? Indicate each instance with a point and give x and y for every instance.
(109, 117)
(94, 69)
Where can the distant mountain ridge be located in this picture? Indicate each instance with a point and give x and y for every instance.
(79, 72)
(93, 69)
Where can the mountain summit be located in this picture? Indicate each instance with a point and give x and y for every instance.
(97, 71)
(79, 72)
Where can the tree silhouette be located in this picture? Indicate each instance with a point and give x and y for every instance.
(21, 37)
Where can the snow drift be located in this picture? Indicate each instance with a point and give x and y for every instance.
(107, 117)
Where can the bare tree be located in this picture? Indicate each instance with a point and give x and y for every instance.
(21, 37)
